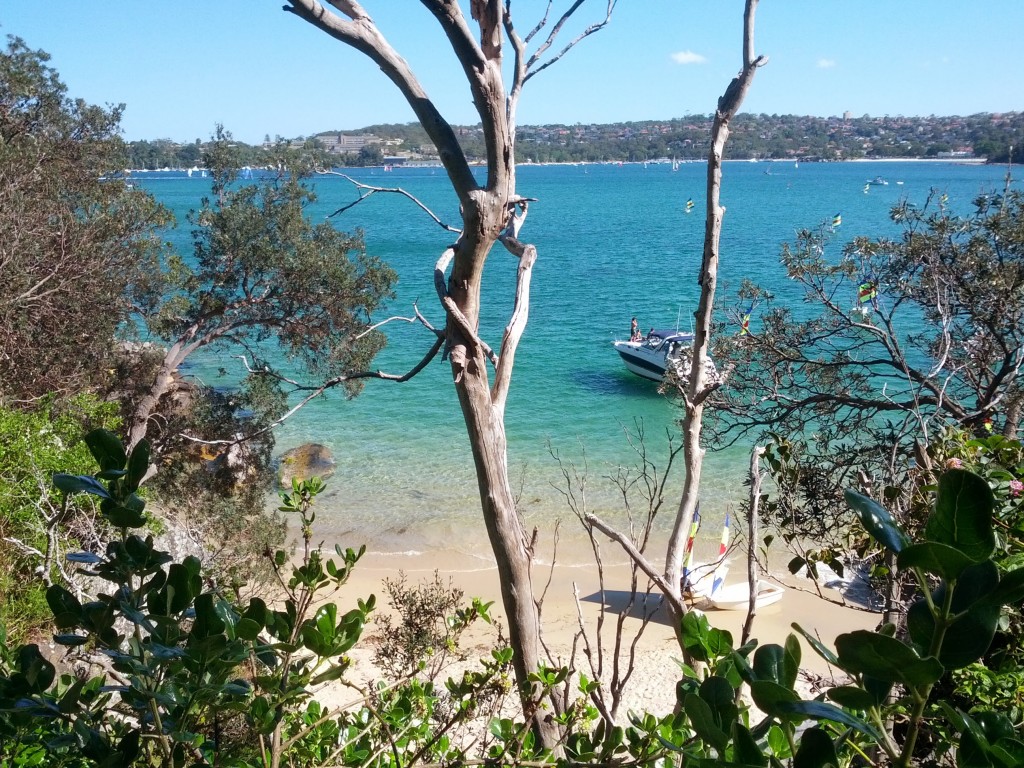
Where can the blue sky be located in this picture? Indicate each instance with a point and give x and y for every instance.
(182, 66)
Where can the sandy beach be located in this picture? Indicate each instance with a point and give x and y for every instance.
(653, 684)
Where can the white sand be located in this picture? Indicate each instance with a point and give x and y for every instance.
(652, 686)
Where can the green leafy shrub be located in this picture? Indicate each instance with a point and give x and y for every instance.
(200, 679)
(33, 445)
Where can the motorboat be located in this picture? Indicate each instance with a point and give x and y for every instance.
(878, 181)
(736, 597)
(651, 356)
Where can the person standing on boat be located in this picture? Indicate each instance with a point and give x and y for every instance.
(634, 330)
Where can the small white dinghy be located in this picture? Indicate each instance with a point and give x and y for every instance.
(736, 597)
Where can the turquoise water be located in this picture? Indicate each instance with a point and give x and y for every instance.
(613, 242)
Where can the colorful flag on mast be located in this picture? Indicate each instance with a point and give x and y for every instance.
(694, 526)
(721, 569)
(867, 291)
(745, 321)
(837, 220)
(688, 559)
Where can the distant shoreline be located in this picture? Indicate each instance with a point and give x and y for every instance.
(933, 160)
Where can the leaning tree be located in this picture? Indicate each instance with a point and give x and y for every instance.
(261, 271)
(492, 212)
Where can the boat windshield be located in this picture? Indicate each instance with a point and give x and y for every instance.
(655, 339)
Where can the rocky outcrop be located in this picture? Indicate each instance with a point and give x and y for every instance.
(306, 461)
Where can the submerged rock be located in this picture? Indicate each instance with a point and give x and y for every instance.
(306, 461)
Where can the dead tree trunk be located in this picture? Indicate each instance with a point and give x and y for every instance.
(696, 388)
(491, 213)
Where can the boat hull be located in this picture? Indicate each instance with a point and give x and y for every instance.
(640, 362)
(736, 597)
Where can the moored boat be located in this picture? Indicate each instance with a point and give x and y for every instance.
(658, 352)
(878, 181)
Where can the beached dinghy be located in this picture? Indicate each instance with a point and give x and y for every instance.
(736, 597)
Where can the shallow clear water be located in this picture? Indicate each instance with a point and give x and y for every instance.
(613, 242)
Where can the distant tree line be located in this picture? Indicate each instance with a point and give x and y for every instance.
(762, 137)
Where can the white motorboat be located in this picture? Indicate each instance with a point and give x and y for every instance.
(651, 356)
(736, 597)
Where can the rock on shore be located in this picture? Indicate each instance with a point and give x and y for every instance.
(306, 461)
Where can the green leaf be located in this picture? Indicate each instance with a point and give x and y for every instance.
(745, 747)
(935, 558)
(1009, 752)
(334, 672)
(816, 750)
(777, 663)
(138, 466)
(851, 697)
(703, 722)
(35, 674)
(257, 611)
(821, 710)
(877, 521)
(87, 558)
(995, 725)
(69, 701)
(184, 584)
(1010, 588)
(106, 448)
(66, 609)
(247, 629)
(879, 689)
(777, 740)
(206, 623)
(970, 635)
(70, 640)
(886, 658)
(963, 515)
(771, 697)
(326, 621)
(720, 696)
(822, 650)
(972, 752)
(701, 640)
(71, 484)
(122, 515)
(770, 664)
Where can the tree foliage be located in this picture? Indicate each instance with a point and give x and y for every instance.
(76, 245)
(897, 339)
(261, 271)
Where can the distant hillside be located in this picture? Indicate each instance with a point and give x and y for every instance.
(987, 136)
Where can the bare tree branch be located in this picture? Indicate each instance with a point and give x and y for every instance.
(362, 34)
(316, 391)
(454, 312)
(532, 65)
(707, 279)
(517, 322)
(672, 595)
(371, 190)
